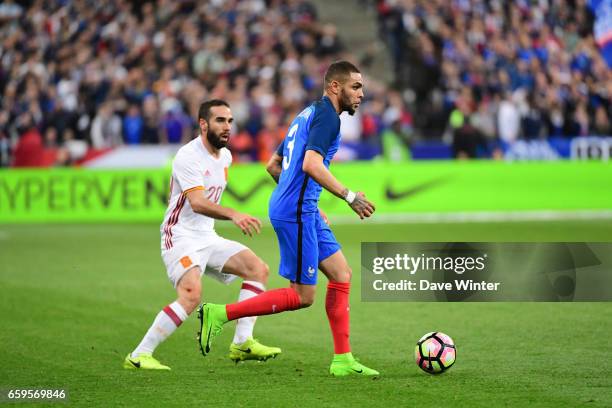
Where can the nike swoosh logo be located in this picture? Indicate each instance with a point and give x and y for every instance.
(135, 364)
(241, 198)
(359, 372)
(394, 195)
(245, 351)
(208, 342)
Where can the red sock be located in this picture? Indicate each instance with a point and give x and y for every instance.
(337, 308)
(270, 302)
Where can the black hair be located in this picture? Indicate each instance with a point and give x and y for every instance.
(339, 71)
(204, 111)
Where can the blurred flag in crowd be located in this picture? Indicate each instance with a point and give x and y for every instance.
(602, 9)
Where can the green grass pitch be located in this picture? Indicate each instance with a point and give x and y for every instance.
(75, 299)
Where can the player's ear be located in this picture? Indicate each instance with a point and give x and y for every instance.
(335, 87)
(203, 126)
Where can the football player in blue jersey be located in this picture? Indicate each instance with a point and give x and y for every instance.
(307, 244)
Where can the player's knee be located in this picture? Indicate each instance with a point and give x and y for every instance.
(348, 274)
(306, 299)
(259, 272)
(343, 275)
(264, 271)
(191, 297)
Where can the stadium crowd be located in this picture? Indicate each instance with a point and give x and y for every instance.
(487, 69)
(81, 74)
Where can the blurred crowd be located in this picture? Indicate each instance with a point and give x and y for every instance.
(485, 73)
(77, 76)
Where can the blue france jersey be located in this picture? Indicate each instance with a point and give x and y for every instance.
(316, 128)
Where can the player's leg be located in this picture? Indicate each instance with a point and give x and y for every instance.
(307, 293)
(167, 321)
(338, 273)
(184, 271)
(335, 267)
(189, 290)
(294, 251)
(255, 272)
(213, 317)
(299, 257)
(337, 270)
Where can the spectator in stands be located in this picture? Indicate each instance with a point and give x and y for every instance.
(106, 128)
(542, 50)
(601, 126)
(579, 124)
(484, 119)
(29, 151)
(466, 138)
(396, 142)
(176, 125)
(508, 119)
(5, 143)
(150, 121)
(242, 146)
(111, 72)
(133, 125)
(9, 10)
(270, 136)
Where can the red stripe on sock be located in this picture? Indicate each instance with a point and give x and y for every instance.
(270, 302)
(252, 288)
(177, 320)
(337, 308)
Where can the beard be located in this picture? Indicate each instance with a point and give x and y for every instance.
(215, 139)
(346, 105)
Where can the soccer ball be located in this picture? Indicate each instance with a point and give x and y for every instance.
(435, 353)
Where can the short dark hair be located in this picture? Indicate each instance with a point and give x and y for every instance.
(204, 111)
(340, 71)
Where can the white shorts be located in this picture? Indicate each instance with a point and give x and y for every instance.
(210, 253)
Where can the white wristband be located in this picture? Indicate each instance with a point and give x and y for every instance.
(350, 197)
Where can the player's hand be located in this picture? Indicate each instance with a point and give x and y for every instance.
(247, 224)
(362, 206)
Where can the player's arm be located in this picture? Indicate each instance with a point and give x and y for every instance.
(323, 131)
(201, 205)
(274, 165)
(313, 166)
(274, 168)
(189, 177)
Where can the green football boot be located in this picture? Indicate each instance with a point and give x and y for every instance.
(252, 350)
(345, 364)
(212, 318)
(144, 361)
